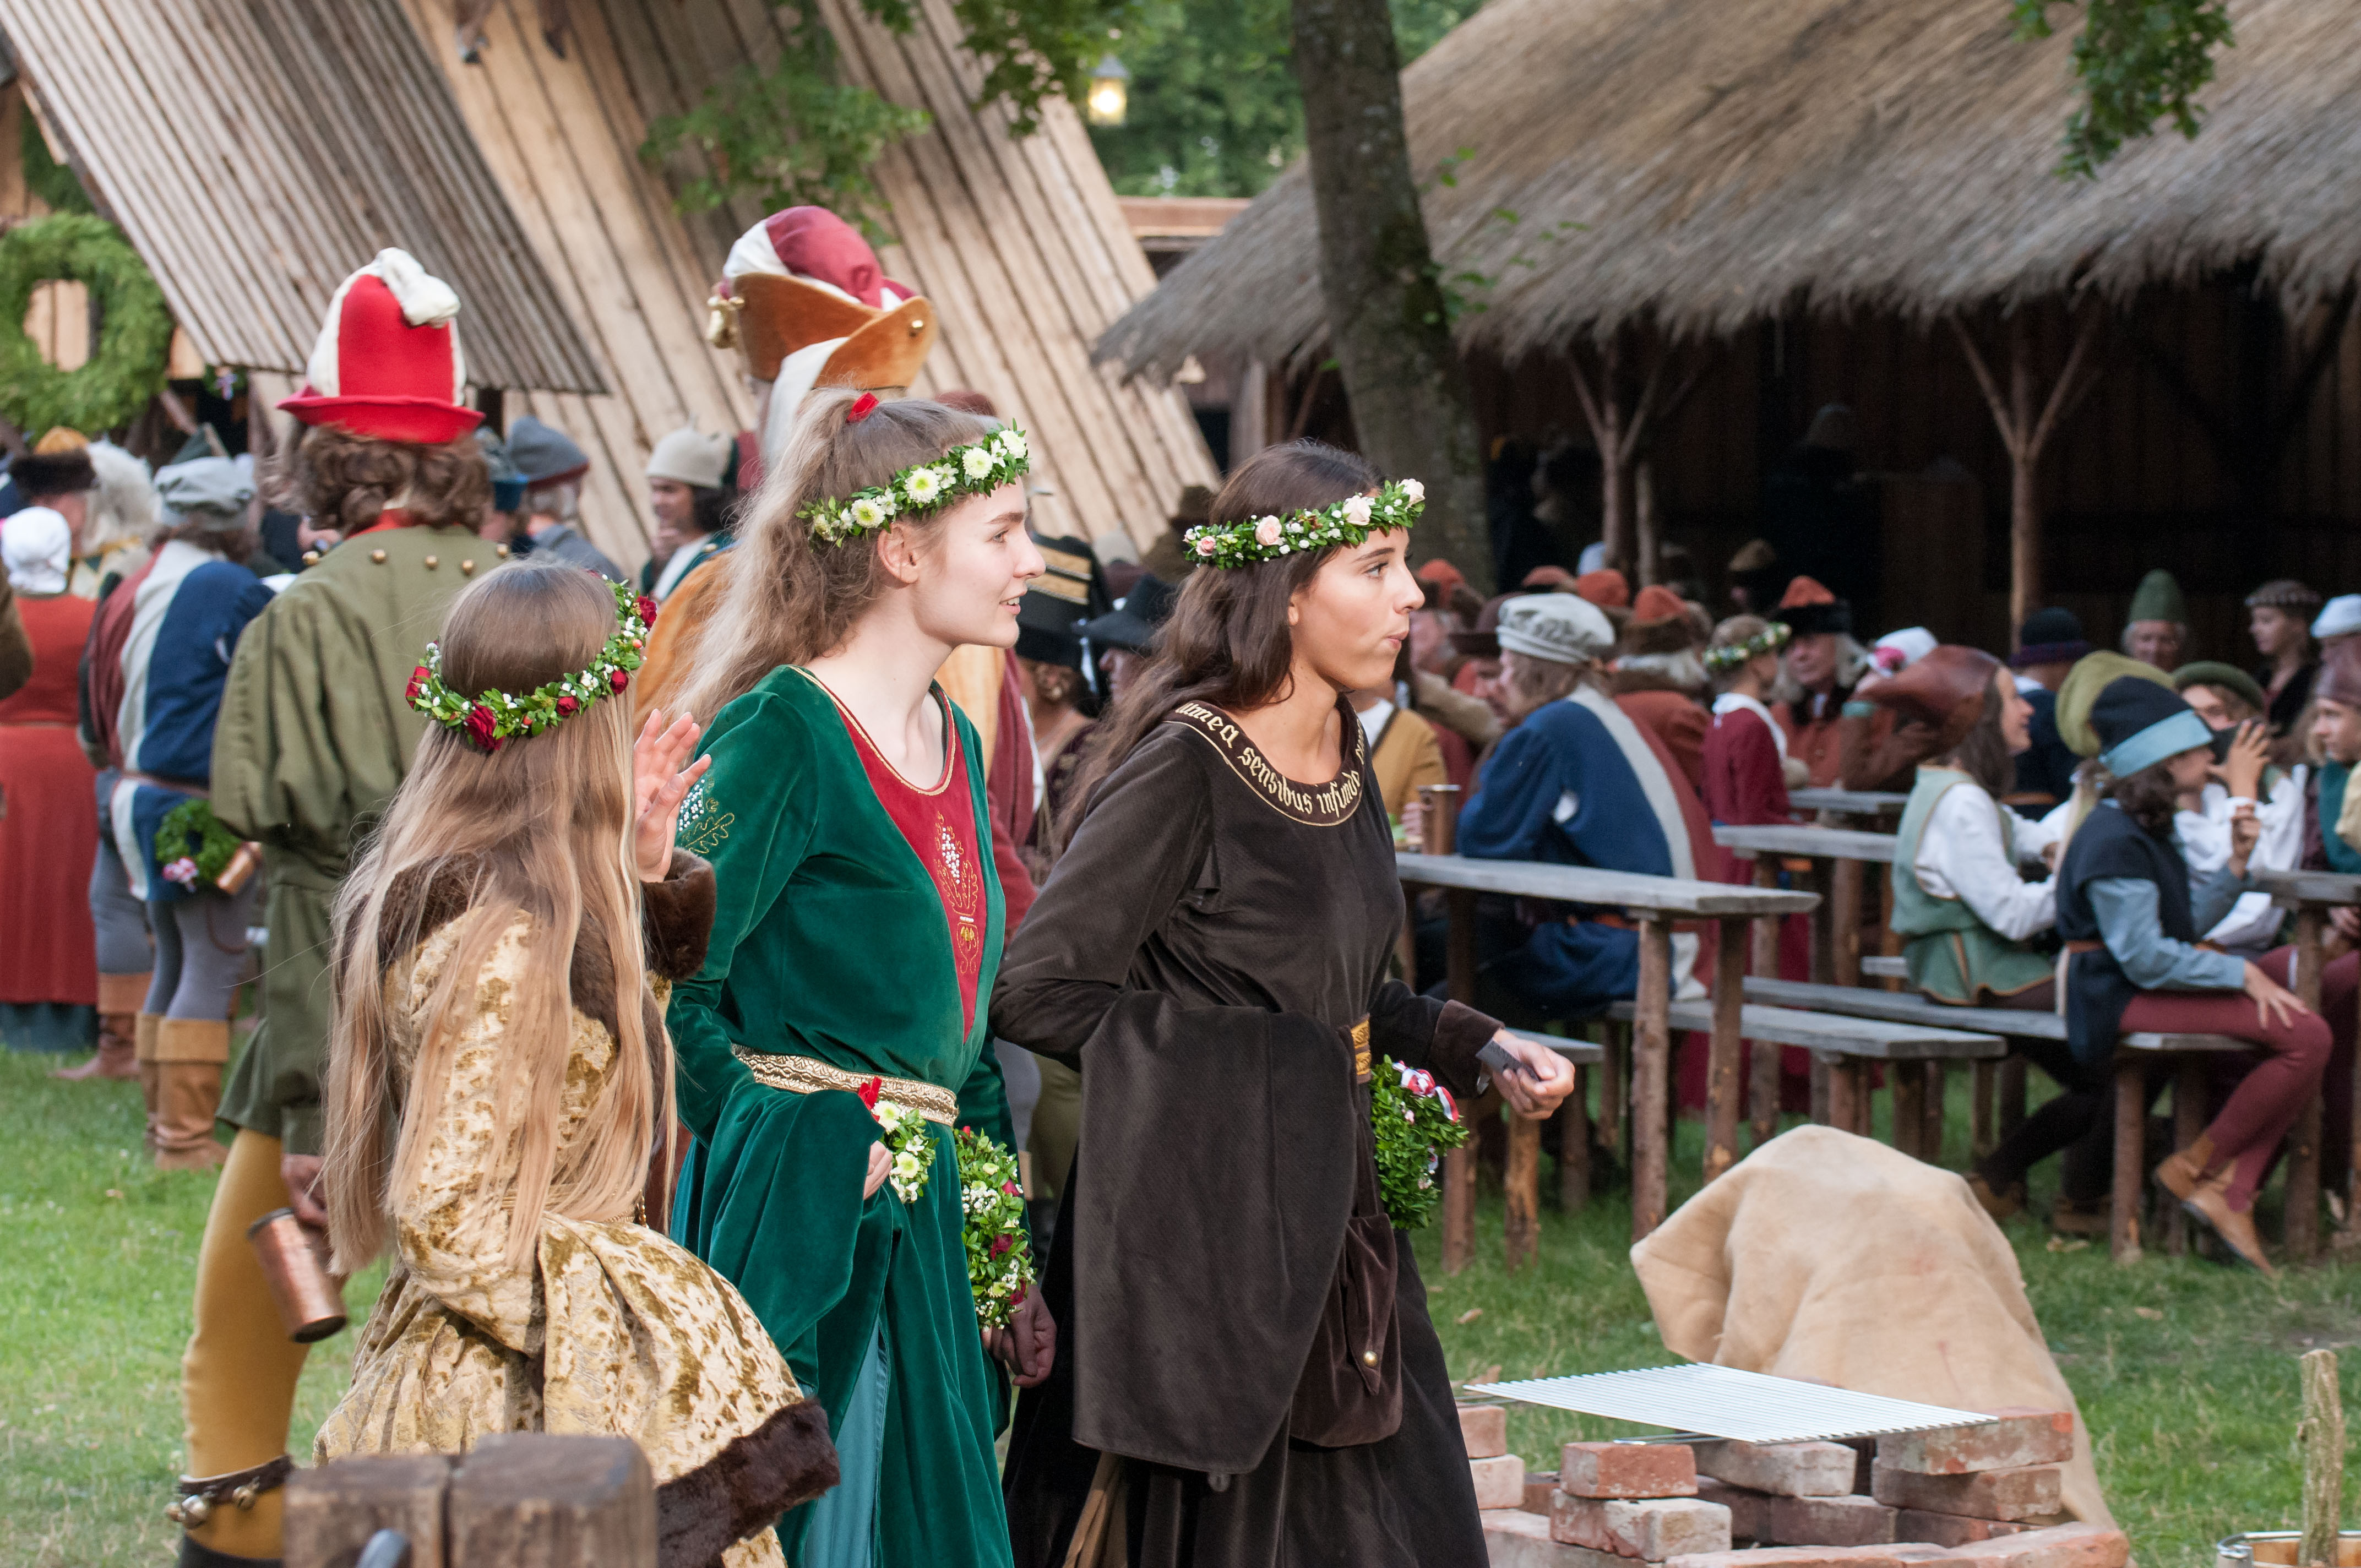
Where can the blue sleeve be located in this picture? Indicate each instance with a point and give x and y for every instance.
(1559, 789)
(1520, 786)
(2126, 911)
(2211, 894)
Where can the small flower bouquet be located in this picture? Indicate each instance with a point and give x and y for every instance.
(999, 1257)
(1416, 1123)
(909, 1141)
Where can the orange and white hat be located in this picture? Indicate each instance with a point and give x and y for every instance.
(388, 363)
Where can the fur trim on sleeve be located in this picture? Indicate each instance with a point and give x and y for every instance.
(677, 916)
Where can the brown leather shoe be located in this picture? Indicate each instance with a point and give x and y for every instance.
(2069, 1218)
(190, 1053)
(2210, 1203)
(2183, 1172)
(2000, 1206)
(116, 1055)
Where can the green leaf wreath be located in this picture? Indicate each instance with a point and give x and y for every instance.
(999, 1255)
(1416, 1123)
(191, 846)
(126, 364)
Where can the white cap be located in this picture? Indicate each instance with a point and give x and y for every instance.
(38, 546)
(1912, 642)
(691, 457)
(1560, 628)
(2340, 616)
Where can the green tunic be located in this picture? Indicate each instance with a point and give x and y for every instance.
(313, 736)
(1952, 955)
(829, 941)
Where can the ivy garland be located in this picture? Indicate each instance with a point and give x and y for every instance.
(126, 366)
(191, 846)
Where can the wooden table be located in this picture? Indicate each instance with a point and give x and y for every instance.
(1849, 802)
(2311, 895)
(1839, 857)
(1653, 904)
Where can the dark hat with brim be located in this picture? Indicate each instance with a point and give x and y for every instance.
(1810, 609)
(1071, 590)
(2141, 724)
(1945, 690)
(2050, 636)
(2229, 677)
(1483, 640)
(39, 474)
(1133, 625)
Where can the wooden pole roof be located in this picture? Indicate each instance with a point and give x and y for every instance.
(256, 151)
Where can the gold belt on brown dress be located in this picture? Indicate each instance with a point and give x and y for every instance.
(809, 1075)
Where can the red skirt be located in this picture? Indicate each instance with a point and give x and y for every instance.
(48, 840)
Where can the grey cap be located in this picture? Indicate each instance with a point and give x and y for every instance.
(209, 491)
(1560, 628)
(543, 455)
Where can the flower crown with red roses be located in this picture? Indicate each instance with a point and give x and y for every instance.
(1252, 540)
(493, 717)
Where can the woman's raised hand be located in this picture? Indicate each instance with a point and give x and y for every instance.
(659, 783)
(2241, 772)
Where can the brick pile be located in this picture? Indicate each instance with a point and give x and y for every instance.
(1986, 1497)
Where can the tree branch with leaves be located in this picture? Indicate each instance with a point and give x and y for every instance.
(2139, 61)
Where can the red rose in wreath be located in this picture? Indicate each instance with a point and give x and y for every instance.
(483, 726)
(618, 679)
(418, 678)
(647, 610)
(567, 707)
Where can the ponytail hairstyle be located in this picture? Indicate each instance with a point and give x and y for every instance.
(540, 827)
(1228, 642)
(788, 598)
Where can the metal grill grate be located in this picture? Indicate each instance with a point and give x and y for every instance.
(1722, 1401)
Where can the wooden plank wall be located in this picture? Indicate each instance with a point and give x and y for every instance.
(1018, 244)
(562, 138)
(2132, 481)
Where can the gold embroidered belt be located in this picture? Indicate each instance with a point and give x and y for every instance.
(809, 1075)
(1361, 1051)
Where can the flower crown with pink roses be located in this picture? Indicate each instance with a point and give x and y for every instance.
(1250, 541)
(490, 719)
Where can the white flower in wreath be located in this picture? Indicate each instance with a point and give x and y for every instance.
(870, 511)
(976, 461)
(924, 485)
(1357, 510)
(1267, 532)
(1013, 444)
(1414, 491)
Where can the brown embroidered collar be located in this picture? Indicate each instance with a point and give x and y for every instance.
(1331, 805)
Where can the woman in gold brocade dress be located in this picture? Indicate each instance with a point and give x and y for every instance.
(509, 1082)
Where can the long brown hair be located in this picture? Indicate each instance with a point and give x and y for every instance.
(1228, 642)
(344, 481)
(540, 828)
(2149, 797)
(787, 597)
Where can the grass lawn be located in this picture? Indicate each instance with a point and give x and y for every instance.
(2185, 1370)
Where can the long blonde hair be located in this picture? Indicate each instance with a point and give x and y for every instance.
(788, 598)
(540, 827)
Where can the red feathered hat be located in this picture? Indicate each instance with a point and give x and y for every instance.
(386, 364)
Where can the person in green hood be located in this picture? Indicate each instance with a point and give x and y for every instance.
(2156, 630)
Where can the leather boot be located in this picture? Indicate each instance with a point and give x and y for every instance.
(2182, 1173)
(117, 1054)
(2001, 1205)
(2211, 1202)
(190, 1054)
(143, 1051)
(2070, 1218)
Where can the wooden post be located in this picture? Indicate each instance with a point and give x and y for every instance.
(1574, 1146)
(2131, 1161)
(531, 1500)
(1824, 973)
(333, 1510)
(2302, 1233)
(1833, 1075)
(1651, 1046)
(2024, 432)
(1722, 1088)
(1621, 436)
(1614, 1085)
(1983, 1087)
(2188, 1121)
(1909, 1088)
(1845, 889)
(1522, 1189)
(1762, 1078)
(1459, 1165)
(2321, 1438)
(1930, 1141)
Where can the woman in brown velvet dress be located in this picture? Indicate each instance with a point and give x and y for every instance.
(1248, 1376)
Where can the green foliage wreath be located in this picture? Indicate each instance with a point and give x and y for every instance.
(125, 368)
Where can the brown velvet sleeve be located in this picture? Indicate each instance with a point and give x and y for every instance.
(1440, 1036)
(677, 916)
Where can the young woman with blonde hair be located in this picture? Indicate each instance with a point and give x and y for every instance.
(499, 1074)
(842, 1005)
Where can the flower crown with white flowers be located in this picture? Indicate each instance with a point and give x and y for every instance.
(490, 719)
(1770, 640)
(1397, 504)
(975, 470)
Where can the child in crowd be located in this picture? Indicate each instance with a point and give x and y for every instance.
(1745, 750)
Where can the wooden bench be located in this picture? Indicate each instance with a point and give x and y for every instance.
(1846, 1045)
(1653, 904)
(1868, 803)
(2134, 1054)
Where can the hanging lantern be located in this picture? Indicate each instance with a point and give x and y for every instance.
(1109, 93)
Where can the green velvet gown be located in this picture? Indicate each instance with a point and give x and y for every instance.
(831, 941)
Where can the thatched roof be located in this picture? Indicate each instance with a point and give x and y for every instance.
(1728, 159)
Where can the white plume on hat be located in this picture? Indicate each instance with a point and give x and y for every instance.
(1560, 628)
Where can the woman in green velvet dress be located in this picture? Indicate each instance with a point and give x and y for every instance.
(858, 926)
